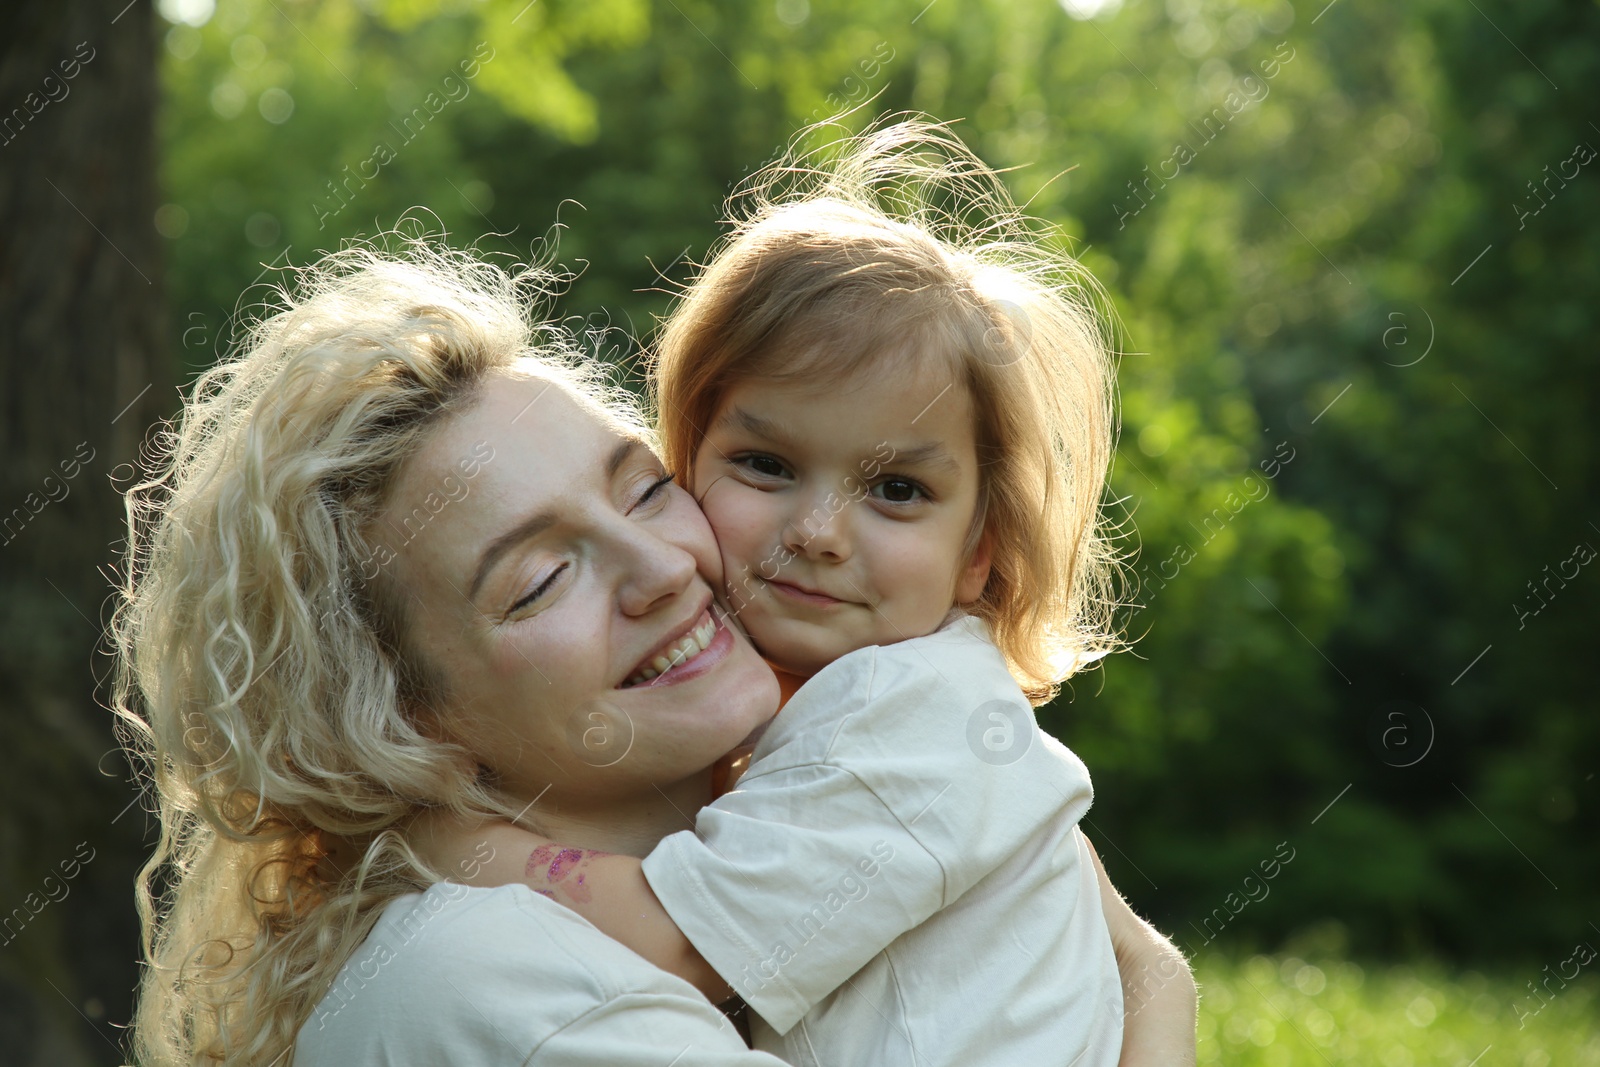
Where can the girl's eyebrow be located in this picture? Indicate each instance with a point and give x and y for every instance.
(929, 455)
(739, 418)
(932, 455)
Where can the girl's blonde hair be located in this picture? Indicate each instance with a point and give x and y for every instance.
(265, 685)
(904, 245)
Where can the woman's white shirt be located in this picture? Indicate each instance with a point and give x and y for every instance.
(461, 976)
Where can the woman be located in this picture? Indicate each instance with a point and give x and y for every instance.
(330, 625)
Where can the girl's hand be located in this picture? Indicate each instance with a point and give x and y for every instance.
(726, 771)
(1159, 997)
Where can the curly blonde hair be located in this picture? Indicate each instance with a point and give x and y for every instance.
(264, 684)
(902, 244)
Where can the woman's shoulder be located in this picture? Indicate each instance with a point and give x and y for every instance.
(463, 974)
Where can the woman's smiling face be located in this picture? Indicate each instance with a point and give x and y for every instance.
(549, 598)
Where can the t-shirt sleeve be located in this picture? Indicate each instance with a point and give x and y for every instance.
(786, 908)
(873, 803)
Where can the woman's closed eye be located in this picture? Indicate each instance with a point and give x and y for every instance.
(652, 494)
(539, 591)
(650, 497)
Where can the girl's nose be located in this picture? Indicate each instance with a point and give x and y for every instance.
(820, 529)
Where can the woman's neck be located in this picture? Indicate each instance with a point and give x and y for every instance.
(631, 825)
(788, 684)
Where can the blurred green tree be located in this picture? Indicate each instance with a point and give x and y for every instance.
(83, 372)
(1354, 256)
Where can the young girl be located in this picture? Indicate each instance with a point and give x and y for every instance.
(898, 423)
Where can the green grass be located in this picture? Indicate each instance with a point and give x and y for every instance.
(1276, 1011)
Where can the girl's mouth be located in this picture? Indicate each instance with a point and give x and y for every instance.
(803, 596)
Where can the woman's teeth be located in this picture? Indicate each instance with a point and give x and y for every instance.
(675, 656)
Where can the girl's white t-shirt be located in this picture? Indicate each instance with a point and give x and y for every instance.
(899, 879)
(469, 977)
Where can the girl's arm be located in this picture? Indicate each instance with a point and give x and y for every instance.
(1159, 997)
(610, 891)
(607, 889)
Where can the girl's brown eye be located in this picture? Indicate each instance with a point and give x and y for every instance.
(765, 466)
(899, 491)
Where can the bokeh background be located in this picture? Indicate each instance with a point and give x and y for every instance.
(1350, 763)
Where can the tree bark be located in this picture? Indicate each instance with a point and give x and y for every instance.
(84, 372)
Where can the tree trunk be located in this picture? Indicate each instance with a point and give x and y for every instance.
(83, 373)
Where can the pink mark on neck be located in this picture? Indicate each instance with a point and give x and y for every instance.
(562, 865)
(579, 892)
(557, 862)
(538, 858)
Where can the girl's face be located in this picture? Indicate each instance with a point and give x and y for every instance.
(842, 513)
(552, 594)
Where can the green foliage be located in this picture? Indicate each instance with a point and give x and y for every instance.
(1343, 433)
(1273, 1011)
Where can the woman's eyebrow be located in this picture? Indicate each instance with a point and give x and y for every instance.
(621, 454)
(542, 520)
(529, 527)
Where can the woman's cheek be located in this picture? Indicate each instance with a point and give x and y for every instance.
(692, 530)
(729, 519)
(511, 659)
(559, 642)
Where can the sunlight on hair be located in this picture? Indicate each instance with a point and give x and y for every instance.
(265, 685)
(854, 247)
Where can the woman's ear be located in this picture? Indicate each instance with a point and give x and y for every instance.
(974, 576)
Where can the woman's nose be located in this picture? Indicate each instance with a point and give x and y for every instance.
(820, 528)
(654, 569)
